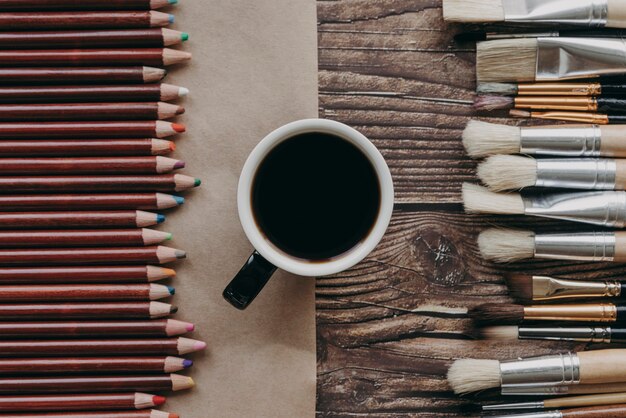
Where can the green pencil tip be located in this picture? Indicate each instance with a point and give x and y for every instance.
(184, 36)
(160, 218)
(172, 1)
(197, 182)
(169, 236)
(171, 290)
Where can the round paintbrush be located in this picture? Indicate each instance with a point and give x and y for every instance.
(585, 334)
(509, 314)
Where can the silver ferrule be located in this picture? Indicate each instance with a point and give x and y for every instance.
(548, 414)
(492, 36)
(603, 208)
(519, 405)
(570, 12)
(562, 142)
(577, 173)
(581, 334)
(585, 246)
(545, 390)
(551, 288)
(559, 369)
(567, 58)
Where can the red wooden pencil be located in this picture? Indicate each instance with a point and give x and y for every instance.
(84, 310)
(89, 402)
(104, 38)
(91, 93)
(76, 75)
(84, 20)
(89, 111)
(156, 57)
(82, 238)
(92, 365)
(84, 292)
(91, 183)
(94, 384)
(53, 5)
(85, 147)
(94, 329)
(91, 219)
(122, 414)
(84, 130)
(86, 274)
(89, 165)
(75, 202)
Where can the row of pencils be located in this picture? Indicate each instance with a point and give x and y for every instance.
(570, 67)
(85, 172)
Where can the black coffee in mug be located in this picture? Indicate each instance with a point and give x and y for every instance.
(315, 196)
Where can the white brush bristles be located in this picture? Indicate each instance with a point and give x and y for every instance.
(506, 245)
(505, 89)
(482, 139)
(473, 11)
(506, 60)
(506, 333)
(467, 375)
(478, 199)
(508, 172)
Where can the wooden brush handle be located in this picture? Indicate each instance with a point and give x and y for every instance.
(602, 366)
(590, 400)
(620, 175)
(617, 14)
(620, 247)
(609, 411)
(613, 142)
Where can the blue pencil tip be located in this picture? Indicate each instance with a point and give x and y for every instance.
(179, 200)
(160, 218)
(171, 290)
(172, 18)
(172, 1)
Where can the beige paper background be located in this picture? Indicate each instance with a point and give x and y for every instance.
(254, 69)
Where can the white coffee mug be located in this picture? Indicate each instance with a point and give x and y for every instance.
(268, 257)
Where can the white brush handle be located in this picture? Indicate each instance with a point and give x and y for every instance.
(617, 14)
(620, 251)
(602, 366)
(620, 174)
(613, 142)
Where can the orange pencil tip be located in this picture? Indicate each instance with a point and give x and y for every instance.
(178, 127)
(172, 146)
(173, 416)
(158, 400)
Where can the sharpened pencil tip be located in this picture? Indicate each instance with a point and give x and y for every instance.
(187, 363)
(199, 346)
(158, 400)
(180, 254)
(169, 236)
(160, 218)
(184, 36)
(173, 309)
(173, 415)
(190, 327)
(179, 127)
(172, 290)
(179, 164)
(183, 91)
(172, 146)
(171, 18)
(179, 200)
(197, 182)
(172, 1)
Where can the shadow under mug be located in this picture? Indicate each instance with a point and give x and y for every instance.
(267, 257)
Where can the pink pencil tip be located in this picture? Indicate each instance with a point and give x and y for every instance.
(200, 345)
(190, 327)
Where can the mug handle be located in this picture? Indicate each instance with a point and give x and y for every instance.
(249, 282)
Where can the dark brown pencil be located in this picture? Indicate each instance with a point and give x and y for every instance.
(94, 384)
(117, 414)
(82, 238)
(89, 256)
(94, 329)
(92, 365)
(91, 93)
(104, 38)
(84, 20)
(90, 183)
(87, 274)
(84, 130)
(79, 57)
(84, 292)
(101, 347)
(89, 111)
(89, 165)
(85, 147)
(76, 75)
(90, 402)
(55, 5)
(76, 202)
(87, 219)
(78, 310)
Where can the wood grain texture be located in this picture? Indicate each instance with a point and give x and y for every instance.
(389, 328)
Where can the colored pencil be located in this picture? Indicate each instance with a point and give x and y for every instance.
(76, 310)
(94, 329)
(85, 147)
(75, 202)
(84, 20)
(88, 111)
(84, 130)
(100, 347)
(89, 256)
(101, 219)
(94, 384)
(104, 38)
(92, 365)
(54, 5)
(155, 57)
(84, 292)
(89, 165)
(86, 75)
(121, 414)
(90, 183)
(87, 274)
(92, 93)
(82, 238)
(92, 402)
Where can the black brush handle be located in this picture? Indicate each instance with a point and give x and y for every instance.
(621, 313)
(618, 335)
(617, 119)
(613, 89)
(604, 33)
(611, 105)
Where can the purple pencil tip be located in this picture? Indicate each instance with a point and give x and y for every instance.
(187, 363)
(179, 165)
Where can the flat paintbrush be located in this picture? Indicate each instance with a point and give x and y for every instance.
(606, 411)
(608, 105)
(532, 288)
(586, 334)
(606, 88)
(571, 401)
(511, 314)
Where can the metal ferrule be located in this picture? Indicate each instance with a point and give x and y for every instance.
(550, 288)
(586, 174)
(604, 208)
(576, 104)
(591, 312)
(519, 405)
(585, 246)
(569, 58)
(559, 89)
(562, 141)
(560, 369)
(493, 36)
(570, 12)
(578, 334)
(546, 390)
(549, 414)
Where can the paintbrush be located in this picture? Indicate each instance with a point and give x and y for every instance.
(549, 59)
(511, 314)
(572, 334)
(568, 369)
(507, 245)
(603, 208)
(571, 401)
(481, 35)
(608, 105)
(482, 139)
(512, 172)
(567, 116)
(595, 88)
(605, 411)
(589, 13)
(530, 288)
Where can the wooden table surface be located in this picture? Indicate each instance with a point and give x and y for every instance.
(389, 328)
